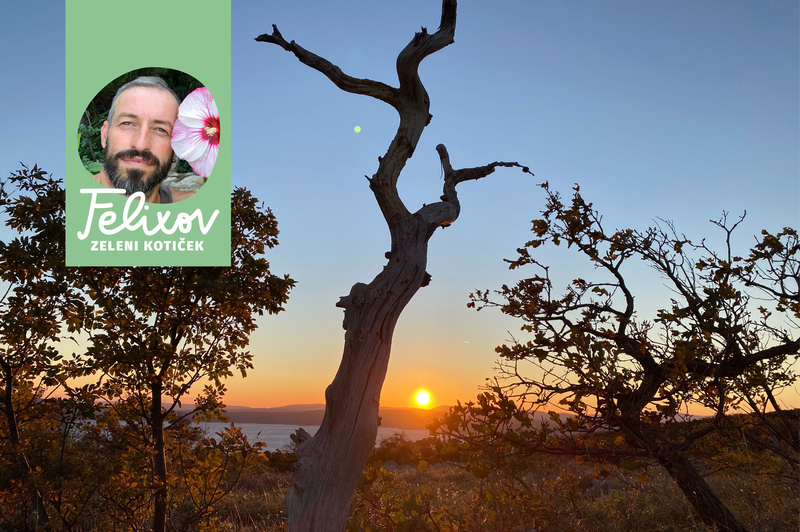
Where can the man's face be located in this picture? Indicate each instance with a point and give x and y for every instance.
(137, 141)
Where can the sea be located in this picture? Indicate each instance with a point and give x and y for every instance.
(277, 436)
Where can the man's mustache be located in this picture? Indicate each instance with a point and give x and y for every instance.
(143, 155)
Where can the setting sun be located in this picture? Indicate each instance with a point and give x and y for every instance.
(422, 398)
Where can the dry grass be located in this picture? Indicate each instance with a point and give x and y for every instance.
(256, 504)
(562, 496)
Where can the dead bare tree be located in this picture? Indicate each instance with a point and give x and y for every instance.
(330, 463)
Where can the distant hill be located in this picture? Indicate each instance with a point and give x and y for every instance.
(287, 408)
(311, 414)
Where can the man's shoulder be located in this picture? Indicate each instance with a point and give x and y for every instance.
(178, 195)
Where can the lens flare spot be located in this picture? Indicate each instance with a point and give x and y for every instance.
(357, 129)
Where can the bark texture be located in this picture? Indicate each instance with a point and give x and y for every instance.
(37, 501)
(709, 507)
(330, 463)
(159, 462)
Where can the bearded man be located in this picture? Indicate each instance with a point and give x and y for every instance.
(137, 140)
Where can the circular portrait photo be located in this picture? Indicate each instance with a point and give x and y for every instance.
(152, 130)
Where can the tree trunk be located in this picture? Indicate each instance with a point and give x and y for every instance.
(708, 506)
(330, 463)
(23, 465)
(159, 463)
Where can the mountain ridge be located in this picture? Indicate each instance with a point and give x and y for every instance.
(407, 418)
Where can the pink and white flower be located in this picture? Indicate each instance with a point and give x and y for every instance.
(195, 135)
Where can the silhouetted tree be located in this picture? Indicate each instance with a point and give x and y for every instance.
(35, 292)
(155, 332)
(330, 463)
(726, 340)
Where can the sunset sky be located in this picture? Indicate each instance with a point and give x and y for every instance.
(659, 110)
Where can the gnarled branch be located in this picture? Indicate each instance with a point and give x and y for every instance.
(410, 101)
(330, 463)
(446, 212)
(347, 83)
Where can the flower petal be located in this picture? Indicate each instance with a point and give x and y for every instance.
(199, 104)
(204, 165)
(187, 142)
(189, 138)
(192, 122)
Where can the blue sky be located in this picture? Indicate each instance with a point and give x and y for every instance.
(672, 110)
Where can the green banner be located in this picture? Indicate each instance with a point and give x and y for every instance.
(137, 195)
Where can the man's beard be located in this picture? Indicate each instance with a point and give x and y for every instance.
(130, 180)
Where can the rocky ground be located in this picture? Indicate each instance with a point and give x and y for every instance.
(187, 181)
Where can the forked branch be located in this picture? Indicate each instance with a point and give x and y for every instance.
(421, 46)
(410, 101)
(446, 212)
(330, 463)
